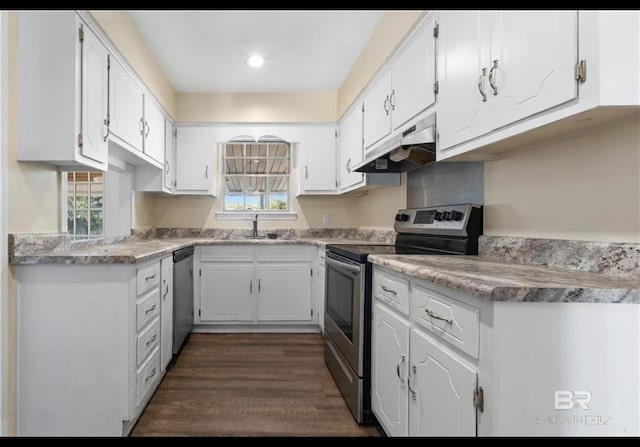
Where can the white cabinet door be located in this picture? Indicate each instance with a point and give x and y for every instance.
(318, 153)
(194, 152)
(227, 292)
(125, 104)
(531, 75)
(95, 84)
(153, 131)
(463, 53)
(389, 369)
(377, 111)
(413, 77)
(350, 148)
(444, 389)
(284, 292)
(166, 311)
(169, 155)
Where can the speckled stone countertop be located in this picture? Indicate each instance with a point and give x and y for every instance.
(133, 251)
(507, 281)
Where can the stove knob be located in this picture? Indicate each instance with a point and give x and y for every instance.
(398, 217)
(446, 215)
(438, 215)
(401, 217)
(456, 215)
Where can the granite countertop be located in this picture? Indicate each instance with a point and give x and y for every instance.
(131, 252)
(507, 281)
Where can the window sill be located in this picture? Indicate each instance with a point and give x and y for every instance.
(250, 215)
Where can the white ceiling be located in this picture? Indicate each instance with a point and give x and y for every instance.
(305, 51)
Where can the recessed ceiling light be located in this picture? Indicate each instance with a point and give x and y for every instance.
(255, 61)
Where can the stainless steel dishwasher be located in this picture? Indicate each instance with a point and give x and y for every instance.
(182, 296)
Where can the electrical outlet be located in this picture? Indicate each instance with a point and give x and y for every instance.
(326, 219)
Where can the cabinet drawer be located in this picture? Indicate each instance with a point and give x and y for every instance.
(148, 340)
(283, 252)
(147, 277)
(391, 289)
(148, 308)
(453, 321)
(147, 376)
(226, 253)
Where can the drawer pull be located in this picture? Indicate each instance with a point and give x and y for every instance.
(149, 310)
(437, 317)
(153, 373)
(147, 278)
(388, 290)
(154, 338)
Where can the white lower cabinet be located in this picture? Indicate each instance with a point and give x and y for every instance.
(389, 367)
(88, 346)
(441, 403)
(166, 311)
(419, 385)
(246, 284)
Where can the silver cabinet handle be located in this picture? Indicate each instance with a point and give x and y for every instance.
(107, 124)
(166, 166)
(147, 278)
(492, 79)
(251, 286)
(154, 338)
(142, 126)
(258, 285)
(306, 172)
(386, 109)
(153, 373)
(149, 310)
(146, 125)
(413, 392)
(435, 316)
(206, 171)
(349, 166)
(166, 292)
(388, 290)
(392, 99)
(481, 85)
(401, 362)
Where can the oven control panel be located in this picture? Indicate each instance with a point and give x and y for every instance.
(450, 220)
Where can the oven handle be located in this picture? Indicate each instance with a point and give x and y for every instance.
(343, 266)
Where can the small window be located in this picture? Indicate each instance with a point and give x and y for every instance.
(84, 204)
(256, 176)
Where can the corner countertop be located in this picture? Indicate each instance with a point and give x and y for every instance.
(131, 252)
(496, 280)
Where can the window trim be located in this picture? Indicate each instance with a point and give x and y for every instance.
(287, 214)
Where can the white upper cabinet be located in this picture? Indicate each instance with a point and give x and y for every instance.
(317, 159)
(169, 155)
(126, 108)
(154, 133)
(492, 73)
(195, 170)
(377, 111)
(62, 72)
(405, 89)
(350, 149)
(413, 76)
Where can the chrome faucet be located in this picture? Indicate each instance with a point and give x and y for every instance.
(255, 226)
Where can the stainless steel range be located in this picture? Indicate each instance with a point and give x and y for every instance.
(450, 230)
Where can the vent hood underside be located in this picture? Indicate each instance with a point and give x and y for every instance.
(408, 150)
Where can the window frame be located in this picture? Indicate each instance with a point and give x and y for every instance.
(285, 214)
(64, 208)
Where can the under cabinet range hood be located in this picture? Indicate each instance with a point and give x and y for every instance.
(410, 149)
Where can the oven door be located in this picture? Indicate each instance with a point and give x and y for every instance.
(344, 308)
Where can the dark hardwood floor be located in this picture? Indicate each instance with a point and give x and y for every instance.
(249, 385)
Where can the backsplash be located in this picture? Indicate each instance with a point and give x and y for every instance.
(615, 258)
(446, 184)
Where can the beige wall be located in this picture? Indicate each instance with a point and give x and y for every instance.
(121, 29)
(378, 208)
(586, 187)
(390, 32)
(257, 107)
